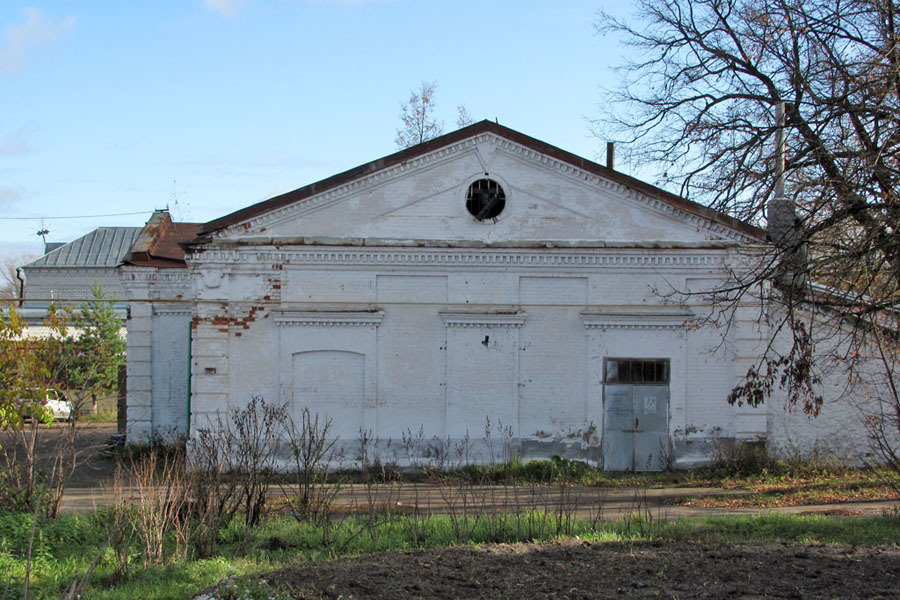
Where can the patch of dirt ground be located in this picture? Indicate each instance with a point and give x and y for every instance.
(93, 469)
(583, 570)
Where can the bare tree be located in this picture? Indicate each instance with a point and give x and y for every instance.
(419, 120)
(700, 101)
(463, 118)
(417, 117)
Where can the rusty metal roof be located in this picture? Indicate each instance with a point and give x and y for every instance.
(157, 245)
(334, 181)
(103, 247)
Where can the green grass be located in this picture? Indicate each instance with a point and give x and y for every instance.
(749, 469)
(764, 529)
(66, 546)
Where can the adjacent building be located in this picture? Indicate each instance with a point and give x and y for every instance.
(67, 272)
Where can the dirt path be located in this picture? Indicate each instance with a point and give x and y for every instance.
(610, 570)
(583, 503)
(92, 469)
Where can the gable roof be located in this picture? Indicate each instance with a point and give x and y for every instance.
(407, 154)
(103, 247)
(157, 244)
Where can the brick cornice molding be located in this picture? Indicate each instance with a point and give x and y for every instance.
(179, 311)
(151, 275)
(299, 318)
(659, 318)
(557, 258)
(483, 319)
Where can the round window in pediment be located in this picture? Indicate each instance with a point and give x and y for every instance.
(485, 199)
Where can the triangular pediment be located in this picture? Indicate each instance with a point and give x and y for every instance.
(421, 194)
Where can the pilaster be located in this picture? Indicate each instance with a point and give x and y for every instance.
(209, 365)
(138, 353)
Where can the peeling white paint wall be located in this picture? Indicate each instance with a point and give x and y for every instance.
(447, 340)
(385, 306)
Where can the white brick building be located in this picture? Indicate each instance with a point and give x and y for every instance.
(483, 275)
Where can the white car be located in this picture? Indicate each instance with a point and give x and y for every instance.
(57, 403)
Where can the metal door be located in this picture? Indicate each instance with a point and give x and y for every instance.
(635, 427)
(618, 424)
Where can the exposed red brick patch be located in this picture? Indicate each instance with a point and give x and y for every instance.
(226, 324)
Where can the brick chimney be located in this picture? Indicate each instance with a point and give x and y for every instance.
(784, 227)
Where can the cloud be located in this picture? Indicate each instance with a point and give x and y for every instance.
(16, 143)
(227, 8)
(37, 29)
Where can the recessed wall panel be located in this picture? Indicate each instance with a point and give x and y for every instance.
(411, 358)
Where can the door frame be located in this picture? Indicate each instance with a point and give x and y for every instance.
(635, 373)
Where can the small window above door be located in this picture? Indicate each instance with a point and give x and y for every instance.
(636, 370)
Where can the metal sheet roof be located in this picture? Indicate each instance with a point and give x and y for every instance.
(103, 247)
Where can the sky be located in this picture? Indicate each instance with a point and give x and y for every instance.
(207, 106)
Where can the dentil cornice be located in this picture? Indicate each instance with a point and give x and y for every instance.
(656, 318)
(262, 259)
(296, 318)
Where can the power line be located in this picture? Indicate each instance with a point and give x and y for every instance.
(141, 212)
